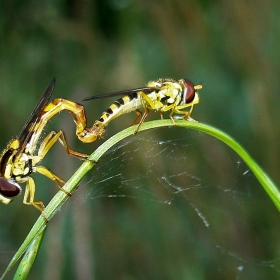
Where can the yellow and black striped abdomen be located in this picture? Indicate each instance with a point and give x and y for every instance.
(123, 105)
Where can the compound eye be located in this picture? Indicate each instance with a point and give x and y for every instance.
(189, 92)
(9, 188)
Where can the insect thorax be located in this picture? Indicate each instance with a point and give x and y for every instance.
(12, 166)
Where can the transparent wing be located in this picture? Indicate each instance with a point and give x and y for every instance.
(122, 93)
(27, 130)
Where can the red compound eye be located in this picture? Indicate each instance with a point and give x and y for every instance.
(8, 188)
(189, 92)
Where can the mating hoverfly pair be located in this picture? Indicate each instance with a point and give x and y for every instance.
(21, 157)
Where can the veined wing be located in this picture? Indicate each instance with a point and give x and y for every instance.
(122, 93)
(27, 130)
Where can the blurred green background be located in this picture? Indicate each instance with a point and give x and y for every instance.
(168, 203)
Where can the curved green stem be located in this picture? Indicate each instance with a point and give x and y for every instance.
(59, 199)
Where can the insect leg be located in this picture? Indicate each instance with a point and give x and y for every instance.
(29, 197)
(147, 103)
(186, 114)
(51, 139)
(44, 171)
(142, 120)
(139, 115)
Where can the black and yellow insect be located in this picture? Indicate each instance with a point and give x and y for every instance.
(21, 157)
(161, 95)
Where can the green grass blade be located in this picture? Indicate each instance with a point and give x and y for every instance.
(29, 257)
(59, 199)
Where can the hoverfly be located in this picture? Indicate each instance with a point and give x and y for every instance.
(161, 95)
(21, 157)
